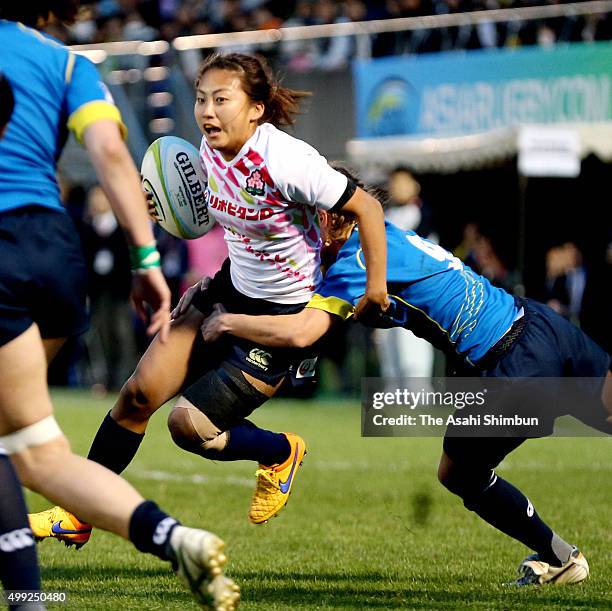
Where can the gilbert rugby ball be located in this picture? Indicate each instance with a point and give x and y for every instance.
(171, 173)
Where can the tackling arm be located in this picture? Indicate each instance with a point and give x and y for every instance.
(281, 331)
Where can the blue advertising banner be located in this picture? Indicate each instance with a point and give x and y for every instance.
(445, 94)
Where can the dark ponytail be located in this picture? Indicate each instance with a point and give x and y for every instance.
(281, 104)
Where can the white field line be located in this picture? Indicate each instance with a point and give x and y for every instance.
(193, 478)
(361, 465)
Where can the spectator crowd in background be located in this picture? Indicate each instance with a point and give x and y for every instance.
(114, 20)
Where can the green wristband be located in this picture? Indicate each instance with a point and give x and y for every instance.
(143, 258)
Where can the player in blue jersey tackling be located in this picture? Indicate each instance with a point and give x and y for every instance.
(479, 327)
(42, 302)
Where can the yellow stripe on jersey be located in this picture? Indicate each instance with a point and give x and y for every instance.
(91, 112)
(333, 305)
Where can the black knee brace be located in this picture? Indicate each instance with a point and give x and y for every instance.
(224, 396)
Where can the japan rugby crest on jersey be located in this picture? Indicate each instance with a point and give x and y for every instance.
(255, 184)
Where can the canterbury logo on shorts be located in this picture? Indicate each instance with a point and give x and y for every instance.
(15, 540)
(260, 358)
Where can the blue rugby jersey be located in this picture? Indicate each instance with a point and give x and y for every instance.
(55, 90)
(432, 293)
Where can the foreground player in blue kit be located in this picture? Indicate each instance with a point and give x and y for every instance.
(42, 301)
(481, 329)
(18, 564)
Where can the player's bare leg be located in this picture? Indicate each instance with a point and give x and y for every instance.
(158, 377)
(160, 374)
(45, 463)
(49, 467)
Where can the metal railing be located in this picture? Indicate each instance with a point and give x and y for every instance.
(99, 52)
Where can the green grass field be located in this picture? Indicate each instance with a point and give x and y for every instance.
(367, 527)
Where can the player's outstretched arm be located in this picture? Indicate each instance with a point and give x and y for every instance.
(282, 331)
(371, 220)
(120, 180)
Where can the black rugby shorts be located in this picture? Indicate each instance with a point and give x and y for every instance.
(264, 363)
(43, 276)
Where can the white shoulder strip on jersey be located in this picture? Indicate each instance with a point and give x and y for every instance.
(36, 434)
(69, 67)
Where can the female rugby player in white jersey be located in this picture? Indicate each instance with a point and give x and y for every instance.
(264, 188)
(42, 301)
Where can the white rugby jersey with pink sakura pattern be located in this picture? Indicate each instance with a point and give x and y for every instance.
(266, 200)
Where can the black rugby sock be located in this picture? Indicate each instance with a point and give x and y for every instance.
(509, 510)
(249, 442)
(18, 564)
(114, 446)
(150, 530)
